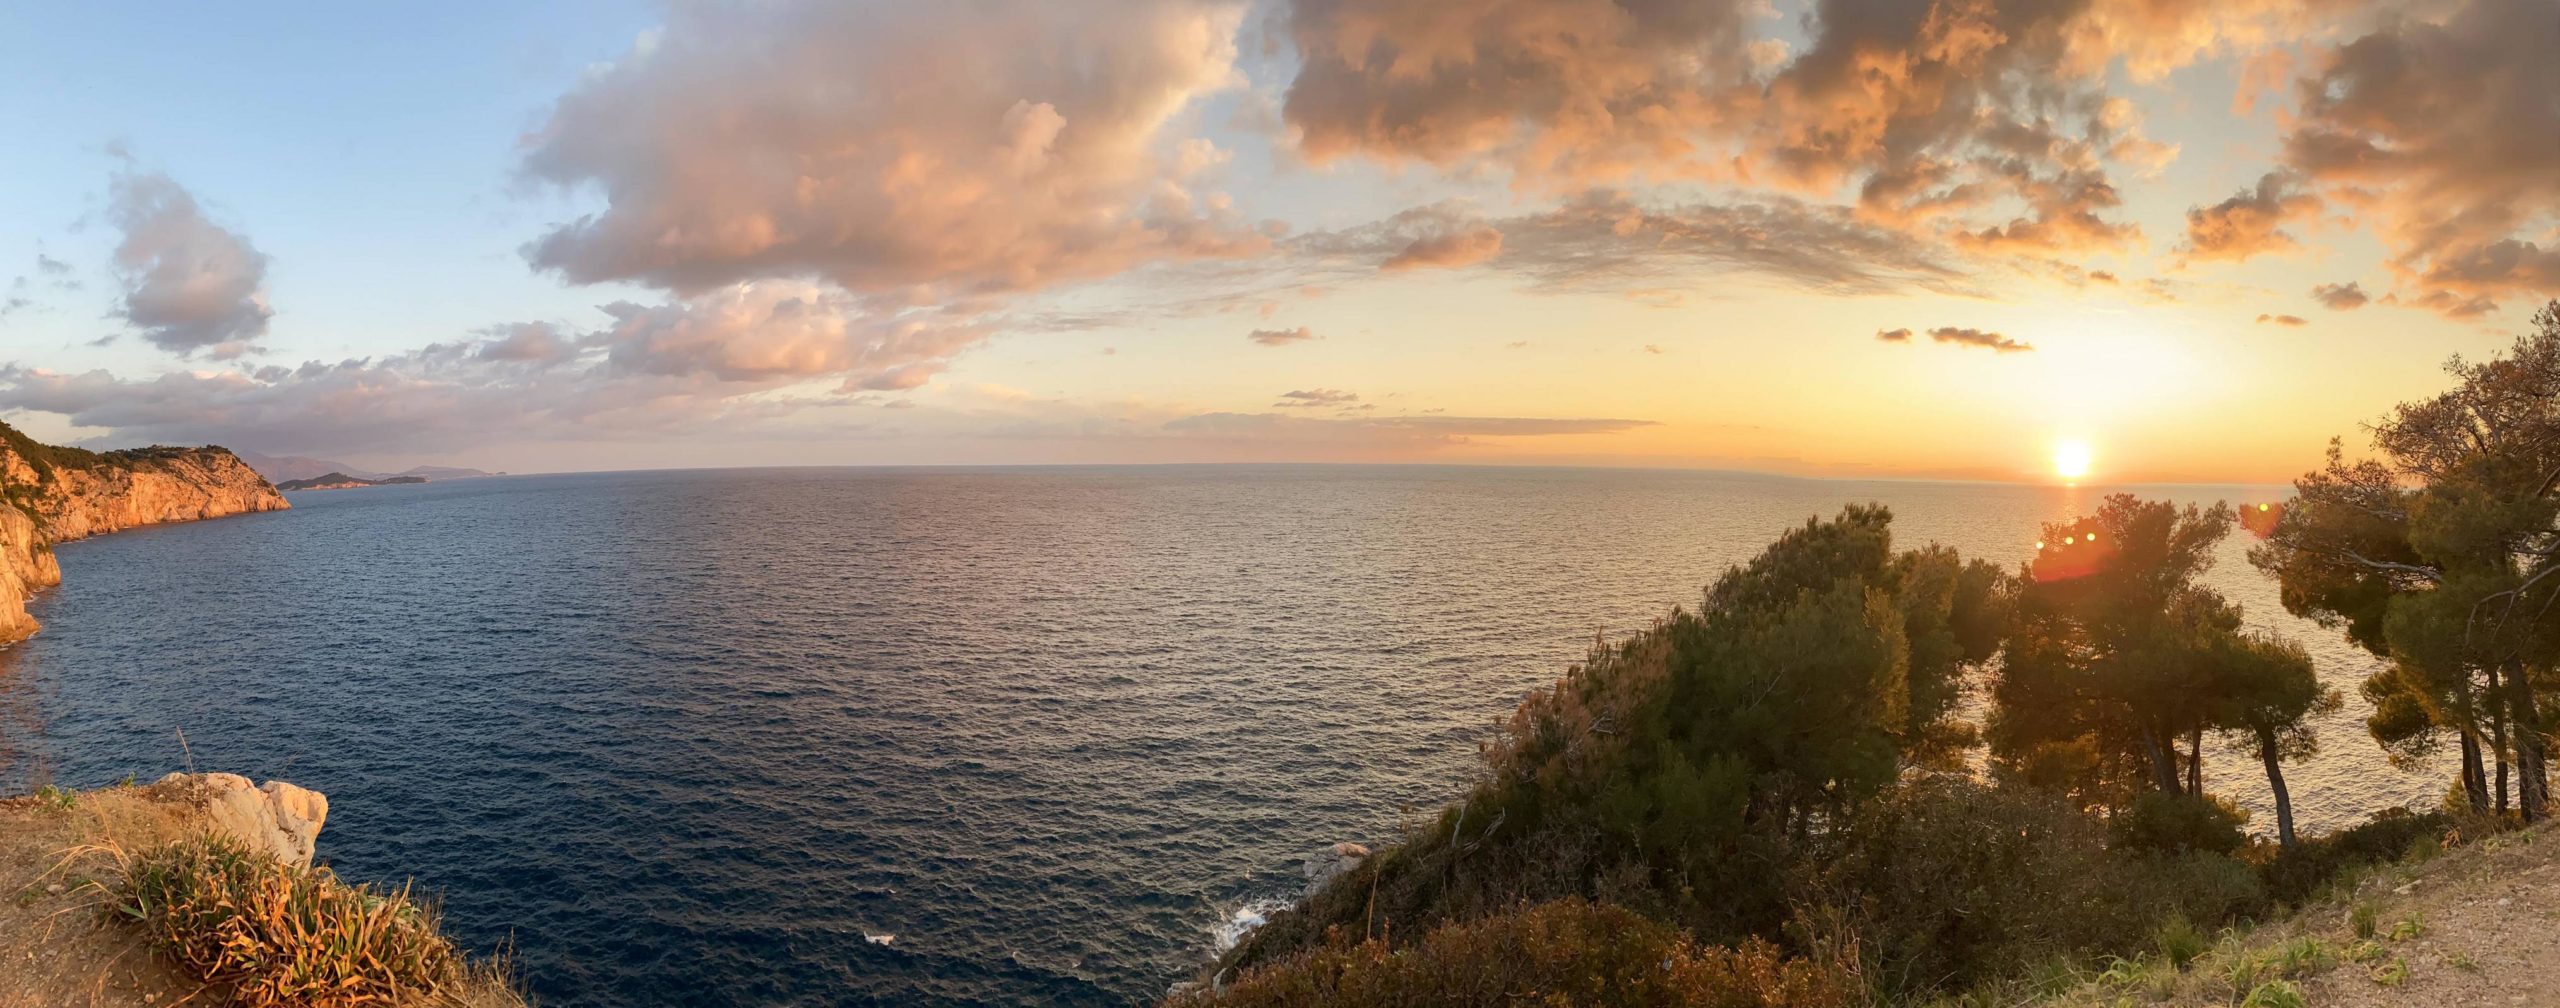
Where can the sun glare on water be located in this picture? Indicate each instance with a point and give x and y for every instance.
(2071, 460)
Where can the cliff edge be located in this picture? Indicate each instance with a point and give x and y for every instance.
(56, 495)
(200, 890)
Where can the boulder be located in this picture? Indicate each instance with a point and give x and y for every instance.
(1333, 861)
(278, 818)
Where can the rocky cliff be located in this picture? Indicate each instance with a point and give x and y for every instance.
(56, 495)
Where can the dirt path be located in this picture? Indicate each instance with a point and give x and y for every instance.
(2481, 926)
(2476, 925)
(56, 948)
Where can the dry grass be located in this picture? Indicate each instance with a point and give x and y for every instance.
(281, 936)
(116, 898)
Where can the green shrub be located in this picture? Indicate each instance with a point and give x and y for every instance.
(2179, 824)
(1562, 953)
(1951, 882)
(2389, 835)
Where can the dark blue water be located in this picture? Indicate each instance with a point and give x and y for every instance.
(686, 737)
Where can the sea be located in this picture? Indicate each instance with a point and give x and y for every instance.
(925, 736)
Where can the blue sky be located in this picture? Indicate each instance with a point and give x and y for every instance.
(368, 151)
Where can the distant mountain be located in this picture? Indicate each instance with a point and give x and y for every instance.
(342, 481)
(444, 472)
(281, 469)
(286, 468)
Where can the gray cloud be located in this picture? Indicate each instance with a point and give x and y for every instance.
(1894, 335)
(1466, 246)
(2340, 297)
(1317, 397)
(530, 342)
(1964, 112)
(1280, 337)
(2284, 320)
(1388, 431)
(2444, 131)
(1604, 239)
(1978, 338)
(728, 358)
(774, 330)
(189, 283)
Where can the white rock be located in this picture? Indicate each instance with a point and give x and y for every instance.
(282, 819)
(1324, 866)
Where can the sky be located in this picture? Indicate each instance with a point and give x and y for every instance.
(1888, 238)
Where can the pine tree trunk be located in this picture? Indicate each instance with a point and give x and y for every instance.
(2533, 793)
(2498, 736)
(2164, 761)
(2475, 780)
(2275, 783)
(2195, 761)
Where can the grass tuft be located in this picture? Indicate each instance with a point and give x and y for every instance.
(54, 799)
(2366, 919)
(2179, 941)
(283, 936)
(2274, 994)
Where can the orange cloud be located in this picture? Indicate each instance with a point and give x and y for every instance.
(2251, 223)
(886, 146)
(1556, 88)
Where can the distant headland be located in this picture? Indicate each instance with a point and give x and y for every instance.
(342, 481)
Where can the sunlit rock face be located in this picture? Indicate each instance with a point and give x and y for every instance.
(60, 500)
(25, 565)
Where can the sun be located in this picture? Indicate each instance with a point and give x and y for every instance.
(2071, 459)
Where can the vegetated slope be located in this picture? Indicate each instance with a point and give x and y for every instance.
(1781, 777)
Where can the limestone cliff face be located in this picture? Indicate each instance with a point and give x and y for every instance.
(26, 564)
(57, 496)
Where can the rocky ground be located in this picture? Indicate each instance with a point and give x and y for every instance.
(57, 949)
(2476, 925)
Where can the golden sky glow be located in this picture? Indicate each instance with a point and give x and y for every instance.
(1183, 230)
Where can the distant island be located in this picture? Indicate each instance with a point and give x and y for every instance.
(342, 481)
(285, 469)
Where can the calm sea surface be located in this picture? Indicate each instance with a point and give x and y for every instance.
(686, 737)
